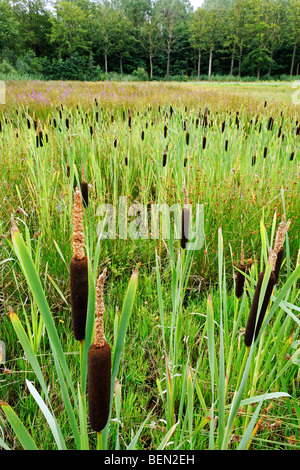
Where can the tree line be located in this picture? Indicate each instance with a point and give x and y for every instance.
(149, 39)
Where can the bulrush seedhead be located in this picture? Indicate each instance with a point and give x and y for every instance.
(185, 220)
(240, 278)
(84, 188)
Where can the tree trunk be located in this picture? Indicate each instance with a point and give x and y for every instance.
(258, 71)
(232, 63)
(151, 67)
(232, 57)
(169, 45)
(199, 64)
(293, 60)
(240, 60)
(168, 65)
(271, 59)
(210, 63)
(105, 61)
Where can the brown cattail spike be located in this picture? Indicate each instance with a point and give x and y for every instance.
(240, 278)
(99, 367)
(185, 220)
(84, 189)
(164, 159)
(79, 295)
(278, 263)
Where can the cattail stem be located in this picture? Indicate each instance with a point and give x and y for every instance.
(99, 440)
(242, 368)
(81, 349)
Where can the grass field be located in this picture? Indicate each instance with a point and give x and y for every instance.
(182, 375)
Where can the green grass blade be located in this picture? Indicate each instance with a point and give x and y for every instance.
(21, 432)
(167, 437)
(124, 320)
(83, 421)
(211, 354)
(3, 445)
(27, 347)
(39, 296)
(51, 420)
(133, 443)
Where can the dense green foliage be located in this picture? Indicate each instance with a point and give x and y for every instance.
(160, 39)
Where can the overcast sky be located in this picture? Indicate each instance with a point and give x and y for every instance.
(196, 3)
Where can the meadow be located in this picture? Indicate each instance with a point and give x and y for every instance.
(182, 376)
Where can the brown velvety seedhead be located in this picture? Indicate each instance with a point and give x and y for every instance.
(164, 159)
(240, 281)
(253, 328)
(99, 383)
(79, 295)
(185, 222)
(85, 193)
(278, 264)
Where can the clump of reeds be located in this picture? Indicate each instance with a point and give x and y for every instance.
(78, 272)
(240, 278)
(99, 367)
(254, 324)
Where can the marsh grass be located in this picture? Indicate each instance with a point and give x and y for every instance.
(181, 382)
